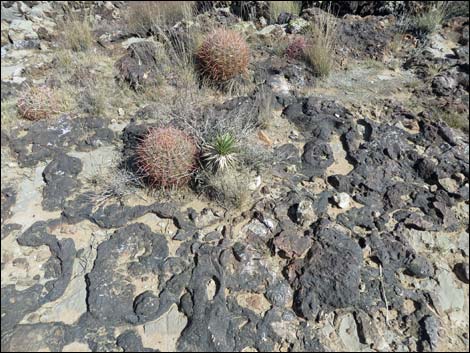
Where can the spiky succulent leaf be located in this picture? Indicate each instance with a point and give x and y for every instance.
(222, 153)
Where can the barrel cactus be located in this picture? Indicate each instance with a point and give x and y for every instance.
(167, 157)
(223, 55)
(295, 49)
(37, 102)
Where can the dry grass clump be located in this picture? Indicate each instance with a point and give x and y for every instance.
(228, 188)
(223, 55)
(278, 7)
(92, 101)
(77, 35)
(146, 17)
(38, 102)
(113, 182)
(321, 35)
(430, 20)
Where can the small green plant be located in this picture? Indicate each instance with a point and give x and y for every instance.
(278, 7)
(223, 55)
(222, 153)
(319, 51)
(167, 157)
(77, 35)
(429, 21)
(38, 102)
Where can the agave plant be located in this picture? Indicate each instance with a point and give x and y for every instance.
(221, 153)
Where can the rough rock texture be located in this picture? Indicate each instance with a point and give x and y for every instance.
(355, 238)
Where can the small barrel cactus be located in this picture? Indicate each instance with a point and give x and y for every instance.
(295, 49)
(37, 102)
(223, 55)
(167, 157)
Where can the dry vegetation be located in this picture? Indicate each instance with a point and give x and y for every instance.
(321, 39)
(146, 17)
(76, 34)
(430, 20)
(278, 7)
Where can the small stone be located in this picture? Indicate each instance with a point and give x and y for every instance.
(463, 243)
(121, 112)
(461, 271)
(297, 25)
(343, 200)
(291, 244)
(265, 138)
(255, 228)
(255, 184)
(293, 135)
(420, 268)
(449, 297)
(280, 294)
(206, 218)
(305, 213)
(291, 169)
(348, 333)
(449, 185)
(430, 331)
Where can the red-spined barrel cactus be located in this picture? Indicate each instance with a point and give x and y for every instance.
(167, 157)
(37, 102)
(295, 49)
(223, 55)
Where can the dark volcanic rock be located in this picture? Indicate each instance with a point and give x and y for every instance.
(292, 244)
(129, 341)
(367, 37)
(250, 10)
(37, 337)
(17, 303)
(45, 140)
(316, 158)
(141, 66)
(462, 272)
(61, 181)
(111, 296)
(146, 306)
(330, 274)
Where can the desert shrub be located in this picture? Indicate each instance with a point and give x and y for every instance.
(110, 181)
(223, 55)
(278, 7)
(228, 188)
(453, 118)
(220, 153)
(319, 51)
(167, 157)
(457, 8)
(146, 17)
(38, 102)
(92, 101)
(429, 21)
(296, 48)
(77, 35)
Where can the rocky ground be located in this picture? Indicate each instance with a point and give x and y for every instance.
(354, 239)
